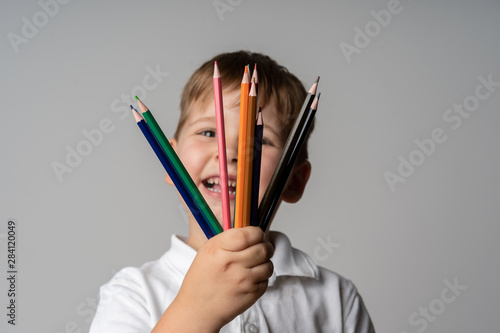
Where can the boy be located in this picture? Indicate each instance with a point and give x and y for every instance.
(229, 283)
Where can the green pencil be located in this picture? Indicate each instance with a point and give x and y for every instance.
(181, 170)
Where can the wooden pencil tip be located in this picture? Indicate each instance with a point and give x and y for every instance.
(253, 91)
(246, 77)
(216, 70)
(314, 105)
(313, 88)
(137, 116)
(143, 108)
(260, 121)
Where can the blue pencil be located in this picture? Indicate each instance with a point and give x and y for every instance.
(179, 184)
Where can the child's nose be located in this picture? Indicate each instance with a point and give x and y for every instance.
(232, 152)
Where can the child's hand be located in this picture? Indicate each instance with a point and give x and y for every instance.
(229, 273)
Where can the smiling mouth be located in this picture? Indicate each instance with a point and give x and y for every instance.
(213, 185)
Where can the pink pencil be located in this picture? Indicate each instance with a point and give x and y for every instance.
(221, 141)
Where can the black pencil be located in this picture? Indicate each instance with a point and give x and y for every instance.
(290, 152)
(257, 154)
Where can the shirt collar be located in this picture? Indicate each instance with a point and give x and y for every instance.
(287, 260)
(180, 255)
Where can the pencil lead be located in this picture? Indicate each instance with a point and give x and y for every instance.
(260, 121)
(246, 76)
(134, 109)
(216, 71)
(252, 91)
(137, 116)
(313, 88)
(254, 74)
(143, 108)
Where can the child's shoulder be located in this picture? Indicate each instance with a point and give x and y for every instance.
(168, 270)
(303, 287)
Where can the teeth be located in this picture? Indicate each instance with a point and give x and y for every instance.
(219, 191)
(216, 181)
(214, 190)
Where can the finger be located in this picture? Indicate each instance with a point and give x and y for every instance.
(254, 255)
(262, 272)
(237, 239)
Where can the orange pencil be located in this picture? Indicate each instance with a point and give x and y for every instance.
(247, 196)
(242, 144)
(255, 78)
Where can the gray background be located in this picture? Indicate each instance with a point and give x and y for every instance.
(113, 210)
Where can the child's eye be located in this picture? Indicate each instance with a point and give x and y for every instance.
(208, 133)
(267, 142)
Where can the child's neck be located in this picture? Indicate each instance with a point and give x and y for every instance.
(196, 237)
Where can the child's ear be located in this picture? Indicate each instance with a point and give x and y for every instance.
(173, 143)
(296, 183)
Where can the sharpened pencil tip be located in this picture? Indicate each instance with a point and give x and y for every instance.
(137, 98)
(137, 116)
(317, 80)
(314, 105)
(216, 71)
(260, 121)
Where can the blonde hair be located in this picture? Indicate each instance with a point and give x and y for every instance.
(276, 83)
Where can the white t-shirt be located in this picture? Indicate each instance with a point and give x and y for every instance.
(301, 296)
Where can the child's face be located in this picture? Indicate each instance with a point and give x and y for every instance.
(198, 151)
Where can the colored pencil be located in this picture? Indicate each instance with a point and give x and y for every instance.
(257, 157)
(255, 78)
(290, 152)
(221, 144)
(247, 195)
(181, 187)
(179, 168)
(242, 144)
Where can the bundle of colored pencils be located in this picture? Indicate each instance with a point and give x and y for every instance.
(247, 210)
